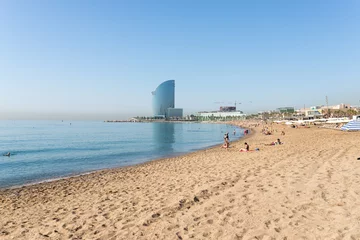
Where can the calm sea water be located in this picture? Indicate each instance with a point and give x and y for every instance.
(43, 150)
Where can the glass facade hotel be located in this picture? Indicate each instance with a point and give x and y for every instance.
(164, 98)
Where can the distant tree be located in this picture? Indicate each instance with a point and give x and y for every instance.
(336, 113)
(350, 112)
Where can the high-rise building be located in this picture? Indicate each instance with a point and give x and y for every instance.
(174, 113)
(164, 98)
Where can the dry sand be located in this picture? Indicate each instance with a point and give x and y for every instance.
(308, 188)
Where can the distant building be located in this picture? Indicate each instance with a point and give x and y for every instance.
(227, 108)
(314, 108)
(314, 111)
(221, 114)
(286, 110)
(164, 101)
(163, 98)
(338, 107)
(133, 120)
(174, 113)
(224, 112)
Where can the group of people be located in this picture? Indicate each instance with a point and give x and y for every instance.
(246, 147)
(266, 131)
(227, 141)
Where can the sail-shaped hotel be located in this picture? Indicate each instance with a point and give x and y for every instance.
(164, 101)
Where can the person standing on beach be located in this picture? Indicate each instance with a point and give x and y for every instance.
(226, 140)
(234, 132)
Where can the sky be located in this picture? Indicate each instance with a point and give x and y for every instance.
(102, 59)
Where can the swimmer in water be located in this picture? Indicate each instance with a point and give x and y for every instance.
(7, 154)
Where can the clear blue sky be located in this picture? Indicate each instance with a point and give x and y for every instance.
(102, 59)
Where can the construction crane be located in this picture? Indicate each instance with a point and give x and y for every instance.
(223, 102)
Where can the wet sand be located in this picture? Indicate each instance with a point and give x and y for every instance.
(308, 188)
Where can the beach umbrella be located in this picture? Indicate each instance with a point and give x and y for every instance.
(351, 126)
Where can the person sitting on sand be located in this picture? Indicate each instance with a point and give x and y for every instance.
(282, 132)
(246, 149)
(278, 142)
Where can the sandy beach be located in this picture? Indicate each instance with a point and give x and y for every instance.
(307, 188)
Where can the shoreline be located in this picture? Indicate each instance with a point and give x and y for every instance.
(75, 175)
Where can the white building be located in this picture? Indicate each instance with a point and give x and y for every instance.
(339, 106)
(221, 114)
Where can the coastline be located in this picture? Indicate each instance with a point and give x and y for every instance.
(75, 175)
(306, 188)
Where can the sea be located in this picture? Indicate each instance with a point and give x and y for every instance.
(46, 150)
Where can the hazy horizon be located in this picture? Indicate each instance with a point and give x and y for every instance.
(101, 60)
